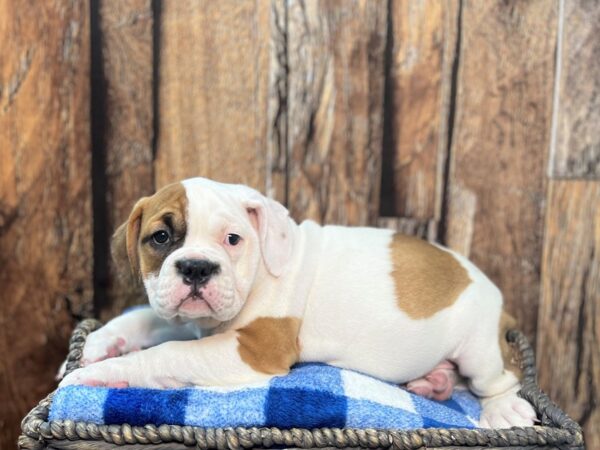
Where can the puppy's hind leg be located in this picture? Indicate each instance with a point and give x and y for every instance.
(485, 360)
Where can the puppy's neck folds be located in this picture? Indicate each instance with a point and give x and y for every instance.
(284, 296)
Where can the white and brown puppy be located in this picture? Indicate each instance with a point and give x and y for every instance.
(226, 264)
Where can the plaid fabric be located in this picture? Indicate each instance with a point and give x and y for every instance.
(310, 396)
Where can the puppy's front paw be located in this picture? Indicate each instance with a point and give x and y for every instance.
(505, 411)
(140, 369)
(110, 373)
(102, 344)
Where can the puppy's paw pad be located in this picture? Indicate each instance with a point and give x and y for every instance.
(420, 387)
(506, 411)
(114, 384)
(437, 384)
(437, 390)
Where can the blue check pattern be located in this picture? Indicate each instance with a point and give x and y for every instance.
(310, 396)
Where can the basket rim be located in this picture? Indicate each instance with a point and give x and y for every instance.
(556, 428)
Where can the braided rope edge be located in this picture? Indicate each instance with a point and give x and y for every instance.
(557, 428)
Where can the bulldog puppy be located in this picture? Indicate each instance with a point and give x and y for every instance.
(255, 293)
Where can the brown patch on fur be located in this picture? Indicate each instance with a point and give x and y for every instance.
(507, 322)
(148, 216)
(427, 278)
(270, 345)
(171, 202)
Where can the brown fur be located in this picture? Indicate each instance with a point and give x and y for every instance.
(270, 345)
(507, 322)
(427, 278)
(123, 249)
(147, 217)
(118, 250)
(170, 200)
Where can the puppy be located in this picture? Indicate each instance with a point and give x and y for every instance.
(240, 292)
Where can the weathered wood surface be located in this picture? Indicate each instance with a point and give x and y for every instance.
(425, 229)
(576, 148)
(336, 66)
(568, 348)
(45, 202)
(292, 98)
(123, 134)
(418, 92)
(213, 91)
(500, 141)
(276, 185)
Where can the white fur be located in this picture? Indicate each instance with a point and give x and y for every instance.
(337, 280)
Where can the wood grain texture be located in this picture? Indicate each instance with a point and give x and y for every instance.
(336, 60)
(568, 348)
(423, 36)
(501, 136)
(425, 229)
(277, 117)
(576, 149)
(213, 91)
(127, 127)
(45, 206)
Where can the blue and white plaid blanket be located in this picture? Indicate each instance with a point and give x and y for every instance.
(310, 396)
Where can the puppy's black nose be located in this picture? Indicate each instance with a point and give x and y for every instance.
(196, 271)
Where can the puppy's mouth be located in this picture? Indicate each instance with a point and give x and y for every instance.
(194, 295)
(195, 292)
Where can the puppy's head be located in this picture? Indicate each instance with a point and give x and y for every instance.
(198, 246)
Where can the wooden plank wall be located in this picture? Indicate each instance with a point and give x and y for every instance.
(335, 52)
(501, 134)
(420, 87)
(471, 123)
(45, 196)
(123, 134)
(568, 324)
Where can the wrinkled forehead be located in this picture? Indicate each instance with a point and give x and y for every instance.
(197, 204)
(211, 205)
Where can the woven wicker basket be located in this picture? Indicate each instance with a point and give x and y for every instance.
(557, 430)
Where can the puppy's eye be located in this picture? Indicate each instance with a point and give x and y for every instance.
(161, 237)
(233, 239)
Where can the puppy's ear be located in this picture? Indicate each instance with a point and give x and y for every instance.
(124, 242)
(118, 249)
(274, 227)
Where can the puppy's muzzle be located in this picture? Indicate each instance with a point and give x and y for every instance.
(196, 271)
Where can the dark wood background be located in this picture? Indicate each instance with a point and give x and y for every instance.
(474, 123)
